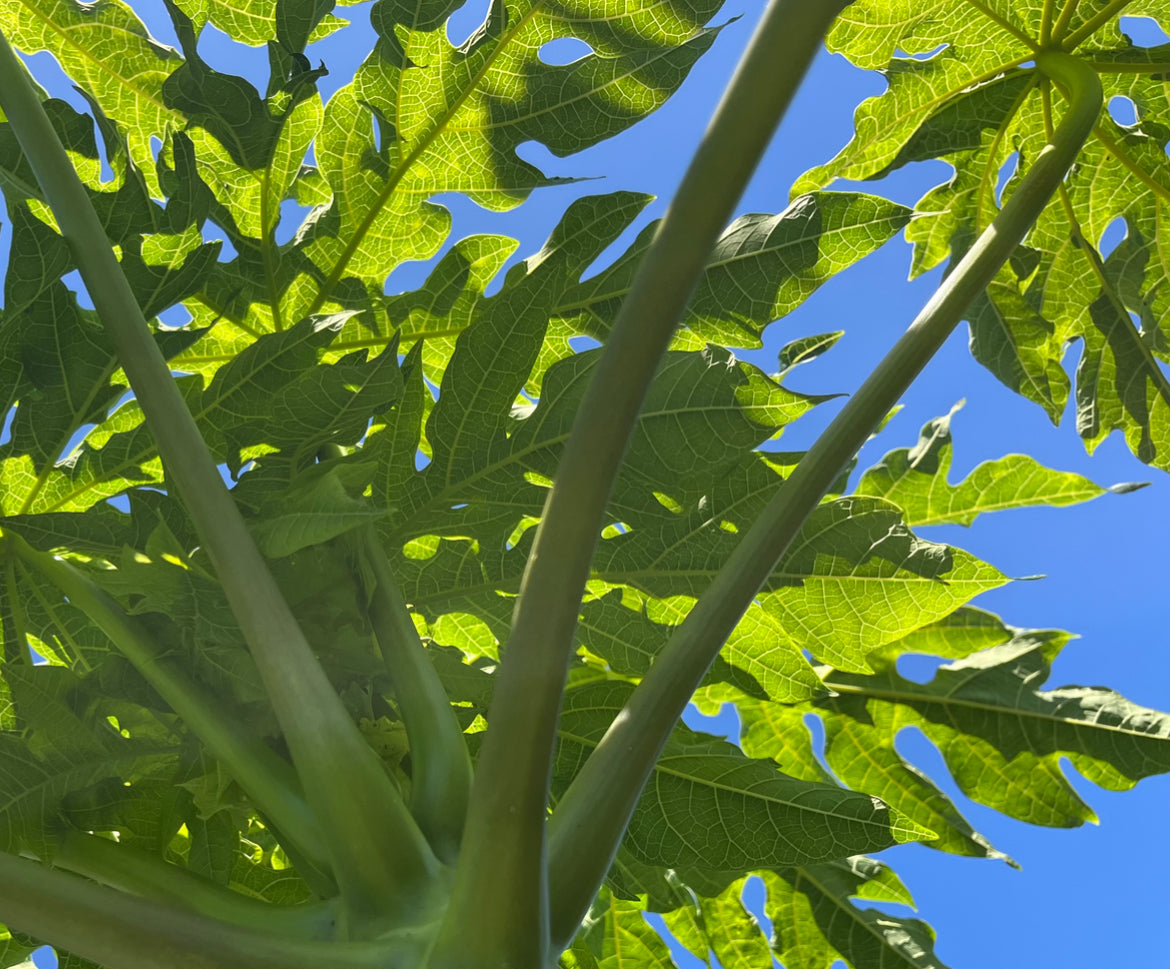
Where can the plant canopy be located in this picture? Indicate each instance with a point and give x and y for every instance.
(353, 628)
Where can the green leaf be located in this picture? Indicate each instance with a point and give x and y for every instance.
(14, 949)
(961, 89)
(1001, 735)
(422, 117)
(722, 925)
(257, 22)
(311, 513)
(806, 349)
(816, 922)
(860, 750)
(917, 481)
(33, 786)
(709, 806)
(614, 935)
(853, 580)
(107, 51)
(620, 629)
(762, 267)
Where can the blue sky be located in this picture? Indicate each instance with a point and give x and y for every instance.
(1093, 897)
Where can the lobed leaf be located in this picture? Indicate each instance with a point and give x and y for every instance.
(917, 481)
(961, 89)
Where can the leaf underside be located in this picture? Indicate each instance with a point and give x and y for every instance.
(273, 220)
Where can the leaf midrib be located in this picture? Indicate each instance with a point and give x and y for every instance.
(593, 299)
(910, 697)
(85, 54)
(739, 791)
(420, 148)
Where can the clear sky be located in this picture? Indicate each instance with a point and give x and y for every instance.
(1093, 897)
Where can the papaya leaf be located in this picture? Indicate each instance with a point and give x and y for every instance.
(816, 922)
(917, 481)
(709, 806)
(615, 935)
(962, 89)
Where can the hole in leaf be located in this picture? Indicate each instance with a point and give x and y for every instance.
(466, 21)
(228, 56)
(755, 896)
(1144, 31)
(682, 956)
(816, 732)
(421, 460)
(44, 958)
(725, 723)
(617, 527)
(564, 50)
(213, 233)
(175, 316)
(1111, 236)
(292, 215)
(73, 281)
(582, 342)
(917, 668)
(921, 55)
(1122, 110)
(1006, 171)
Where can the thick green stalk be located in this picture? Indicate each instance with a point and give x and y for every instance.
(267, 778)
(440, 766)
(120, 930)
(140, 873)
(499, 909)
(589, 822)
(378, 854)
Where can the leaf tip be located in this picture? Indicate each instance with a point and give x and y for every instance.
(1128, 487)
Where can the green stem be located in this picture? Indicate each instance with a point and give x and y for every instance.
(588, 825)
(440, 767)
(1046, 22)
(1089, 27)
(268, 779)
(1062, 22)
(1129, 67)
(378, 854)
(140, 873)
(120, 930)
(499, 908)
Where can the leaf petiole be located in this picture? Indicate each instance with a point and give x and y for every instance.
(140, 873)
(116, 929)
(379, 856)
(594, 812)
(440, 764)
(499, 907)
(269, 780)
